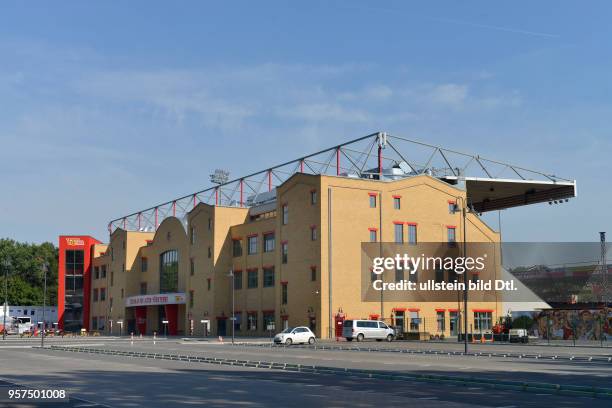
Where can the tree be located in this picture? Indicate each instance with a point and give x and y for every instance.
(25, 275)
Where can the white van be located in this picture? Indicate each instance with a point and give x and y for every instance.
(367, 329)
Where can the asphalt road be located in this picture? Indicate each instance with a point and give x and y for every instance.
(127, 382)
(120, 382)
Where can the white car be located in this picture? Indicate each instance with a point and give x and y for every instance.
(295, 335)
(367, 329)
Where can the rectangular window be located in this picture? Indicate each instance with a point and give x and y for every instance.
(102, 294)
(121, 293)
(268, 320)
(112, 282)
(313, 197)
(95, 295)
(439, 275)
(452, 207)
(399, 274)
(373, 276)
(475, 277)
(94, 323)
(313, 233)
(451, 236)
(252, 245)
(414, 321)
(285, 214)
(441, 320)
(313, 273)
(284, 294)
(399, 233)
(96, 272)
(397, 204)
(413, 277)
(168, 271)
(236, 247)
(238, 321)
(191, 299)
(285, 252)
(192, 235)
(252, 321)
(269, 242)
(268, 277)
(372, 200)
(482, 321)
(412, 234)
(208, 284)
(209, 224)
(252, 278)
(237, 280)
(191, 266)
(373, 234)
(143, 288)
(209, 252)
(144, 264)
(103, 272)
(122, 267)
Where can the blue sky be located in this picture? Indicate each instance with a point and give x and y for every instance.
(108, 108)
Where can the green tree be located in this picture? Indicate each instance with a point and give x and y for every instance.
(25, 274)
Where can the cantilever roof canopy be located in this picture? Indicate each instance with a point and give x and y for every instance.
(488, 194)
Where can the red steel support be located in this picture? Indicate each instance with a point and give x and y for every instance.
(269, 180)
(217, 196)
(241, 192)
(301, 166)
(174, 208)
(337, 161)
(110, 229)
(139, 218)
(124, 224)
(380, 163)
(194, 201)
(156, 217)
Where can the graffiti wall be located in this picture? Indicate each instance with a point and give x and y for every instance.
(570, 324)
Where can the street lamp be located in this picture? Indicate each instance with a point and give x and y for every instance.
(231, 275)
(45, 269)
(465, 278)
(7, 264)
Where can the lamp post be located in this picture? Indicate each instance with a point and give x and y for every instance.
(465, 278)
(231, 275)
(45, 269)
(7, 264)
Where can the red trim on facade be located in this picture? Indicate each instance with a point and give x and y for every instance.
(284, 282)
(372, 229)
(268, 232)
(236, 238)
(397, 196)
(452, 202)
(374, 316)
(451, 226)
(285, 317)
(268, 311)
(221, 317)
(313, 227)
(314, 190)
(441, 310)
(252, 235)
(398, 309)
(284, 242)
(252, 269)
(414, 309)
(271, 266)
(398, 222)
(372, 194)
(412, 223)
(453, 310)
(251, 312)
(483, 310)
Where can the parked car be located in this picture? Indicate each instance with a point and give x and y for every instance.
(518, 336)
(367, 329)
(295, 335)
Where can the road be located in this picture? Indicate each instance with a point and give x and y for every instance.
(127, 382)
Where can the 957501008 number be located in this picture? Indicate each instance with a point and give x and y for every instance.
(13, 394)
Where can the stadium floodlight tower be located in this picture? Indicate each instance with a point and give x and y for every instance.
(220, 176)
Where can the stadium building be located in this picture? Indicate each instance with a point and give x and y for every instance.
(282, 247)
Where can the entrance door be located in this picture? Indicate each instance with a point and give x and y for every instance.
(454, 323)
(221, 327)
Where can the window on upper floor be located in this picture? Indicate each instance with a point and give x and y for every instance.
(313, 197)
(144, 264)
(269, 242)
(372, 200)
(252, 278)
(373, 234)
(268, 277)
(237, 280)
(412, 234)
(313, 233)
(236, 247)
(397, 202)
(399, 233)
(285, 214)
(252, 245)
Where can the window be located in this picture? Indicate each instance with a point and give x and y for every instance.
(121, 293)
(112, 282)
(414, 321)
(284, 294)
(452, 207)
(94, 323)
(475, 277)
(252, 321)
(95, 295)
(252, 245)
(102, 294)
(110, 303)
(269, 242)
(144, 264)
(237, 280)
(209, 252)
(268, 277)
(439, 275)
(374, 276)
(313, 197)
(123, 267)
(399, 233)
(236, 247)
(252, 278)
(399, 274)
(441, 320)
(313, 233)
(285, 214)
(482, 321)
(313, 273)
(209, 224)
(96, 272)
(191, 266)
(412, 234)
(208, 284)
(372, 200)
(143, 288)
(192, 235)
(451, 236)
(397, 202)
(285, 252)
(237, 321)
(373, 233)
(413, 277)
(168, 271)
(191, 299)
(268, 320)
(103, 272)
